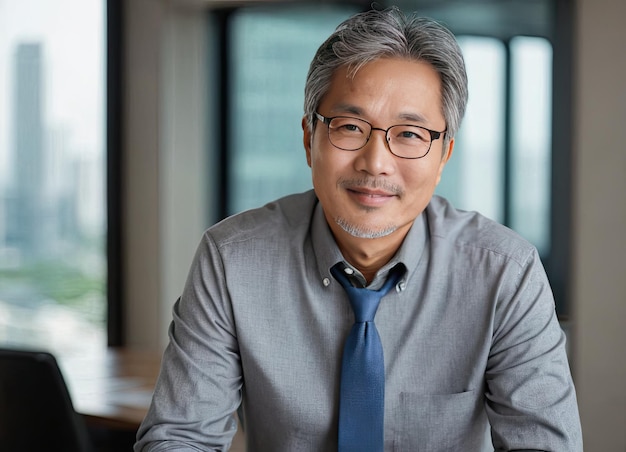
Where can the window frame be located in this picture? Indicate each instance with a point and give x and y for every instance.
(114, 173)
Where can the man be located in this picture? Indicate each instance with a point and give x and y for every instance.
(472, 354)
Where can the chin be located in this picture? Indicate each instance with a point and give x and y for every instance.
(365, 231)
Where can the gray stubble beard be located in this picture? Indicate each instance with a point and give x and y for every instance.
(363, 233)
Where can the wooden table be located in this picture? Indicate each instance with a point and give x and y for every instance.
(112, 388)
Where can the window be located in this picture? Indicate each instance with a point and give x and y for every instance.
(531, 139)
(270, 50)
(474, 176)
(502, 168)
(52, 174)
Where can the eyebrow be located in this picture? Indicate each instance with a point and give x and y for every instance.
(353, 109)
(414, 117)
(347, 108)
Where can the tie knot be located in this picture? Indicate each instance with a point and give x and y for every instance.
(364, 301)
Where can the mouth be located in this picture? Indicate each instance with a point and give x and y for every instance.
(370, 193)
(371, 197)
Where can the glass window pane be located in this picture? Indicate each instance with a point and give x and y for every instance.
(52, 174)
(473, 179)
(271, 51)
(531, 115)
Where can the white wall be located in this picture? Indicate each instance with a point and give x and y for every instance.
(599, 234)
(165, 159)
(141, 109)
(161, 233)
(185, 173)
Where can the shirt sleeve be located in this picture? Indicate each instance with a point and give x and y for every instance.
(530, 396)
(199, 386)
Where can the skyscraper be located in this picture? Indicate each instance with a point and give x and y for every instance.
(26, 199)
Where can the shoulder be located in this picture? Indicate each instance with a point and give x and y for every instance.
(282, 219)
(473, 232)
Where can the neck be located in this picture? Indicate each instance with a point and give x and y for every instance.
(368, 255)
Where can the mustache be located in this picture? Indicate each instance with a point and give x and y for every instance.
(371, 183)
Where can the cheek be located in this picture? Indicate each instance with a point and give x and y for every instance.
(318, 164)
(420, 179)
(323, 174)
(314, 161)
(326, 162)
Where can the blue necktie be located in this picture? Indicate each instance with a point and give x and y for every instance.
(362, 388)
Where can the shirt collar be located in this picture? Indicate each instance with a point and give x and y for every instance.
(327, 252)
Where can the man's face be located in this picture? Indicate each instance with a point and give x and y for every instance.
(371, 193)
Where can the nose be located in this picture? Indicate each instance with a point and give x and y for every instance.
(375, 158)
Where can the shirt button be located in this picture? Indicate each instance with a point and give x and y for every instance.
(348, 271)
(326, 282)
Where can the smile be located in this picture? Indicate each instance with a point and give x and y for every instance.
(371, 193)
(370, 198)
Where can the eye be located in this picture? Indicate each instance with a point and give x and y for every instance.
(351, 127)
(410, 133)
(348, 126)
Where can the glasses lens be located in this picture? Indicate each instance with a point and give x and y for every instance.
(348, 134)
(409, 141)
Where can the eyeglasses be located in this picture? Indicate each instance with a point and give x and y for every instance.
(404, 140)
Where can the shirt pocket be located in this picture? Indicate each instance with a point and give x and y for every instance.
(441, 423)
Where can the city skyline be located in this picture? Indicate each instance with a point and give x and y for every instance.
(56, 194)
(52, 174)
(75, 73)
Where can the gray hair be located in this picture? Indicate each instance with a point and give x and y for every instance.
(389, 33)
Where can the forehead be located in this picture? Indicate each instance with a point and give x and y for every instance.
(386, 87)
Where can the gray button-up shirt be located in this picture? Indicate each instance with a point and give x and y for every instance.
(474, 355)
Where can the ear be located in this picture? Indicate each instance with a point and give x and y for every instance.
(307, 137)
(447, 153)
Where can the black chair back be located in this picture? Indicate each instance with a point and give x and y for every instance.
(36, 411)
